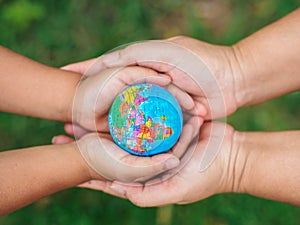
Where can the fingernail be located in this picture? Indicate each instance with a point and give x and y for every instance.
(118, 189)
(53, 139)
(171, 163)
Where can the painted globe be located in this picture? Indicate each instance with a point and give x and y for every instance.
(145, 120)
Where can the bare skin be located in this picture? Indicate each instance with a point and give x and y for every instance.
(32, 173)
(30, 88)
(261, 67)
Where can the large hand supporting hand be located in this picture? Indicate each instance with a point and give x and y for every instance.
(91, 105)
(186, 70)
(189, 184)
(113, 163)
(207, 72)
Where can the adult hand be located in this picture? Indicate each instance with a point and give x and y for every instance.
(190, 183)
(209, 73)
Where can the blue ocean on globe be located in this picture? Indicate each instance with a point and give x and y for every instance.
(145, 120)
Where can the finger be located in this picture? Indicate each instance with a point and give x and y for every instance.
(164, 56)
(184, 99)
(141, 168)
(189, 132)
(132, 75)
(206, 107)
(119, 192)
(155, 54)
(75, 130)
(102, 124)
(61, 139)
(200, 109)
(148, 195)
(79, 67)
(117, 80)
(100, 185)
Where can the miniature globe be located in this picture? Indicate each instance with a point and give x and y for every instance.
(145, 120)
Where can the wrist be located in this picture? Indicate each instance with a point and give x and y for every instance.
(268, 61)
(72, 154)
(71, 80)
(84, 145)
(268, 165)
(244, 95)
(239, 164)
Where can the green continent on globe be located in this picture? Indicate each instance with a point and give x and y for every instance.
(133, 125)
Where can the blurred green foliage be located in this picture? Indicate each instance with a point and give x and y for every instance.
(61, 32)
(21, 14)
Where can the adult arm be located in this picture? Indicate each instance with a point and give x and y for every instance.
(269, 61)
(262, 164)
(260, 67)
(270, 166)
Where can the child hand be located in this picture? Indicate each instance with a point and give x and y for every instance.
(95, 94)
(111, 162)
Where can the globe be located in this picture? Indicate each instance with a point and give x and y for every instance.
(145, 120)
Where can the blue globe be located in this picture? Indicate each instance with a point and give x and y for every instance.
(145, 120)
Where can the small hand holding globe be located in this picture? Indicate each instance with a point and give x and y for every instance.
(94, 97)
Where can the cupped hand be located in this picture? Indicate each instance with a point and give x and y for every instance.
(209, 73)
(95, 94)
(113, 163)
(190, 183)
(106, 160)
(97, 91)
(109, 161)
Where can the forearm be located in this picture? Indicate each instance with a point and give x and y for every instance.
(27, 175)
(269, 165)
(30, 88)
(269, 61)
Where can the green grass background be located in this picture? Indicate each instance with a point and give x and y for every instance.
(61, 32)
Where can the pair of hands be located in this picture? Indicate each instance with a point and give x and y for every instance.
(203, 79)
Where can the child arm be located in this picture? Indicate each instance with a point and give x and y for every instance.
(30, 88)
